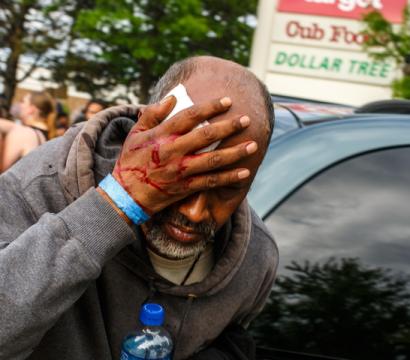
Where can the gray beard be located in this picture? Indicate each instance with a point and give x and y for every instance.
(166, 246)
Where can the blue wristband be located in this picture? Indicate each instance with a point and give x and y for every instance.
(123, 200)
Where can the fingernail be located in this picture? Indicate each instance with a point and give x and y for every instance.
(245, 121)
(252, 147)
(243, 174)
(226, 101)
(168, 98)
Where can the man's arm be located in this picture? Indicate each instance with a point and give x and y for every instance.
(14, 143)
(46, 267)
(8, 151)
(6, 126)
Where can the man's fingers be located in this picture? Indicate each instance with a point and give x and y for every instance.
(187, 119)
(210, 161)
(152, 115)
(210, 181)
(208, 134)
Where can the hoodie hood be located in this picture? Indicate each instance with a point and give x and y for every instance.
(93, 149)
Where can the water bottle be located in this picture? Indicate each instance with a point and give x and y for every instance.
(151, 341)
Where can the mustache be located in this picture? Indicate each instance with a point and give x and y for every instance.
(206, 228)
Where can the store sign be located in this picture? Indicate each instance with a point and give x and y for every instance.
(318, 31)
(392, 10)
(337, 65)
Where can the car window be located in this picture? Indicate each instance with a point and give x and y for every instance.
(344, 244)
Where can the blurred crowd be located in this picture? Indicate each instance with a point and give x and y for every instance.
(37, 118)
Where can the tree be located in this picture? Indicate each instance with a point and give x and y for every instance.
(339, 308)
(35, 30)
(386, 42)
(133, 42)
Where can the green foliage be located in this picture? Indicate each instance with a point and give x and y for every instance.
(401, 87)
(387, 42)
(383, 41)
(35, 30)
(133, 42)
(99, 44)
(338, 308)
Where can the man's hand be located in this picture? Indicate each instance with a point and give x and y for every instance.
(158, 165)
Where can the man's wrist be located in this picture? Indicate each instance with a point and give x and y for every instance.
(115, 207)
(123, 201)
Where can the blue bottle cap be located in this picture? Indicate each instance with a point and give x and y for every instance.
(152, 315)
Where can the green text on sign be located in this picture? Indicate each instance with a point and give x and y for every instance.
(374, 69)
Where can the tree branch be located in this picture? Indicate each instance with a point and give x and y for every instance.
(31, 68)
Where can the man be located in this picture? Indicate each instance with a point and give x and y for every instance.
(74, 269)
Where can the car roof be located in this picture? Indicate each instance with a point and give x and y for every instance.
(291, 113)
(301, 153)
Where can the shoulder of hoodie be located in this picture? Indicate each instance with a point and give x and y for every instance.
(43, 161)
(36, 176)
(262, 240)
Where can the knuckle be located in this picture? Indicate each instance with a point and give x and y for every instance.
(209, 133)
(193, 112)
(214, 160)
(212, 181)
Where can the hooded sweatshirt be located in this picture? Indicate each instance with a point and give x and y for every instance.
(73, 274)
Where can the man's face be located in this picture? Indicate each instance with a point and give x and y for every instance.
(183, 229)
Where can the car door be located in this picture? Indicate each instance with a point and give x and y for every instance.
(343, 285)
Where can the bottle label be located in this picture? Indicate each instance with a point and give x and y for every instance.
(126, 356)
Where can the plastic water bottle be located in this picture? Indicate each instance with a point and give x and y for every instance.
(151, 341)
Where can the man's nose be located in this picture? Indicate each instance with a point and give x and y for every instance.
(195, 208)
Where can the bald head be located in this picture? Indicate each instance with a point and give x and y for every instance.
(207, 77)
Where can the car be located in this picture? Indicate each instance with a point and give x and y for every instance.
(334, 190)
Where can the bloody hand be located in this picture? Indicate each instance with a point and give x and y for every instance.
(158, 165)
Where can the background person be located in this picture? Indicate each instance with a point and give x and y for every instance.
(37, 114)
(62, 120)
(92, 107)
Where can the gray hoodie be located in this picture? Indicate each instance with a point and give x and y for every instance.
(73, 274)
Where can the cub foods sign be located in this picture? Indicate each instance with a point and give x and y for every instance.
(312, 49)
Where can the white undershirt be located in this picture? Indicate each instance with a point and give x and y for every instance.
(176, 270)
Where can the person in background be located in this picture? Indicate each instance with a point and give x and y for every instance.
(62, 120)
(37, 113)
(93, 107)
(62, 123)
(4, 113)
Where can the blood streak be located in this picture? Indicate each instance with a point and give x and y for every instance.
(141, 172)
(155, 155)
(143, 177)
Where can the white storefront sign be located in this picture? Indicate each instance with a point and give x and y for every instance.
(315, 47)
